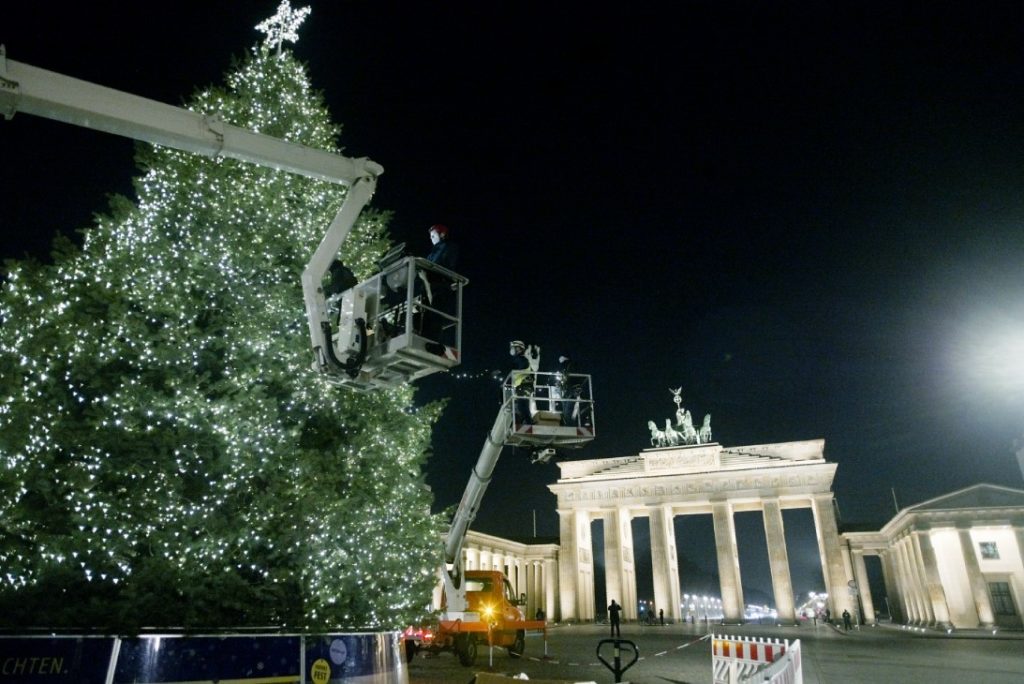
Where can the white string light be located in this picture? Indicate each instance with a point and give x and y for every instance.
(496, 375)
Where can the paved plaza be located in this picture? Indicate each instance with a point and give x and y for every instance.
(680, 654)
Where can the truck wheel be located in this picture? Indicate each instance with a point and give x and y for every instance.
(465, 647)
(519, 645)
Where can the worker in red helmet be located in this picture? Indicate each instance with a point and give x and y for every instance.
(443, 253)
(439, 288)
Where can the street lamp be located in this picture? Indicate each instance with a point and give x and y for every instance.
(989, 357)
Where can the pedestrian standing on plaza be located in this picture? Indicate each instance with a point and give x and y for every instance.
(613, 619)
(846, 620)
(661, 616)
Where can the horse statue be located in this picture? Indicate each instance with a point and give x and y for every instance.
(705, 429)
(658, 437)
(674, 438)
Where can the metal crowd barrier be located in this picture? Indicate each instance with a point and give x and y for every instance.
(355, 658)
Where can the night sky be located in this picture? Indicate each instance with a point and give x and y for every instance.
(810, 217)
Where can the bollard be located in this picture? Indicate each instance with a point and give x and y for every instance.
(616, 665)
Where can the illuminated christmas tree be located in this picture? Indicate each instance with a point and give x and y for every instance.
(168, 457)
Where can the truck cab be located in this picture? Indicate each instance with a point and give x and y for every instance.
(490, 594)
(494, 616)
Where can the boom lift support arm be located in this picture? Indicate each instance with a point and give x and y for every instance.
(29, 89)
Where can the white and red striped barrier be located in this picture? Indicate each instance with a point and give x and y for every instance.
(739, 660)
(788, 669)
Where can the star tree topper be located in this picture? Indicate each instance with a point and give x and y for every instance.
(283, 26)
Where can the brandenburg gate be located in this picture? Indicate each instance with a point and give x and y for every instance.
(662, 483)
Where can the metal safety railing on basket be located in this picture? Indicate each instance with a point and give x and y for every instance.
(549, 409)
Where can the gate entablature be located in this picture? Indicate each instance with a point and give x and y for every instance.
(705, 473)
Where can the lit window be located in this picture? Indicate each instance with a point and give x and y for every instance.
(989, 550)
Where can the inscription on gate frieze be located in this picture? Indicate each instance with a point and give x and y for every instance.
(691, 461)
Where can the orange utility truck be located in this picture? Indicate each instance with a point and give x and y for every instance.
(494, 617)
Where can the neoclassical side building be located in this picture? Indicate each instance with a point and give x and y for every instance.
(663, 483)
(531, 568)
(953, 561)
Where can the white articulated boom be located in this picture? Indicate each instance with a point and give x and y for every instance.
(387, 362)
(479, 479)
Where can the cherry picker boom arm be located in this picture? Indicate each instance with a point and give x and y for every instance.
(453, 577)
(479, 478)
(31, 90)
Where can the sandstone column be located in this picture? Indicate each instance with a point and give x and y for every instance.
(922, 588)
(498, 562)
(933, 583)
(979, 589)
(551, 592)
(529, 580)
(778, 558)
(584, 585)
(894, 596)
(568, 567)
(728, 562)
(833, 569)
(860, 572)
(664, 562)
(538, 588)
(612, 558)
(918, 614)
(626, 596)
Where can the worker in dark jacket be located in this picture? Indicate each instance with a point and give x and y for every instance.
(439, 289)
(443, 253)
